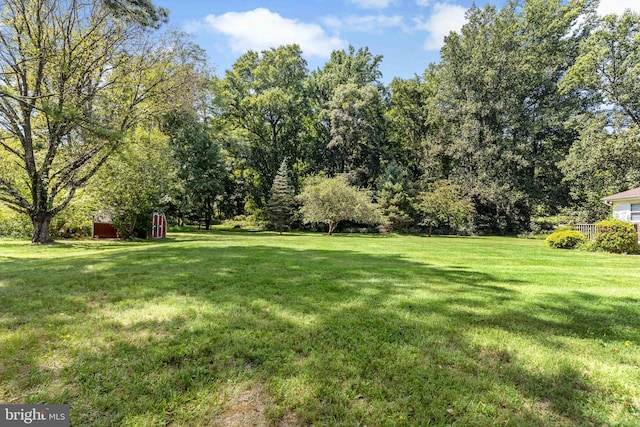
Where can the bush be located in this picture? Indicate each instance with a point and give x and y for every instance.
(567, 239)
(616, 236)
(548, 224)
(14, 224)
(73, 222)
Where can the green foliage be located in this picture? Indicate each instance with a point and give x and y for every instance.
(409, 126)
(281, 202)
(332, 200)
(201, 170)
(348, 134)
(72, 89)
(607, 74)
(263, 96)
(567, 239)
(547, 224)
(444, 204)
(13, 224)
(136, 181)
(499, 115)
(76, 220)
(140, 11)
(601, 163)
(356, 117)
(608, 67)
(395, 196)
(616, 236)
(533, 108)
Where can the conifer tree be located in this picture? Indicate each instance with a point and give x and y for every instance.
(281, 201)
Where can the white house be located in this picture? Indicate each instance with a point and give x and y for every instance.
(626, 205)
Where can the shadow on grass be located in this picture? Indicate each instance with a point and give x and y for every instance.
(159, 334)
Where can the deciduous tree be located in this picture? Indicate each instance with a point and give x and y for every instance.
(348, 133)
(263, 95)
(500, 115)
(409, 126)
(608, 68)
(136, 181)
(200, 163)
(444, 204)
(332, 200)
(73, 80)
(604, 160)
(141, 11)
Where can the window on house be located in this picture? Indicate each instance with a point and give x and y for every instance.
(635, 212)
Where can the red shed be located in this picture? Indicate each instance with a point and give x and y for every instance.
(158, 226)
(103, 229)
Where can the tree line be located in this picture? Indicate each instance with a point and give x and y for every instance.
(532, 112)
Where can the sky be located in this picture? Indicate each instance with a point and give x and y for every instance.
(407, 33)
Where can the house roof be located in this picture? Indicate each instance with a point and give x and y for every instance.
(629, 194)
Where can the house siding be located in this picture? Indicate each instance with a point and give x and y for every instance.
(622, 210)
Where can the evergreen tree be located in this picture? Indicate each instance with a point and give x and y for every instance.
(281, 199)
(395, 197)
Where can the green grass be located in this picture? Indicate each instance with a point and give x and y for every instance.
(226, 328)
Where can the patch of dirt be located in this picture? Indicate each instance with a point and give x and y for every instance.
(245, 409)
(248, 408)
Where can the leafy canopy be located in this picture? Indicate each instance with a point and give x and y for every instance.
(332, 200)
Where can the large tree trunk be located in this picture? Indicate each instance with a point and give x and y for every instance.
(41, 234)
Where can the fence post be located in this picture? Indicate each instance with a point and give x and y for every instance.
(589, 230)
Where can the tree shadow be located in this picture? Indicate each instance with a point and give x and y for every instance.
(376, 339)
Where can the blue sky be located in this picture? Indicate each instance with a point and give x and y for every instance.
(408, 33)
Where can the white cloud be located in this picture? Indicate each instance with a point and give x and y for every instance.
(261, 29)
(607, 7)
(372, 4)
(445, 18)
(193, 26)
(369, 23)
(423, 3)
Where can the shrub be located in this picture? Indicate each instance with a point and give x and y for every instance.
(567, 239)
(14, 224)
(616, 236)
(548, 224)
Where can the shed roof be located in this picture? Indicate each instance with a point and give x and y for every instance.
(629, 194)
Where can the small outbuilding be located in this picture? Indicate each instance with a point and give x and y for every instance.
(158, 226)
(625, 205)
(103, 228)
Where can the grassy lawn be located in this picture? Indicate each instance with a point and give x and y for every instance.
(238, 329)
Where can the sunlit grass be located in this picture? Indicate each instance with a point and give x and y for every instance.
(299, 329)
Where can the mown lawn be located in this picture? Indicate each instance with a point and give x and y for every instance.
(233, 329)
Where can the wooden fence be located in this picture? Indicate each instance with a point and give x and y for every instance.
(589, 230)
